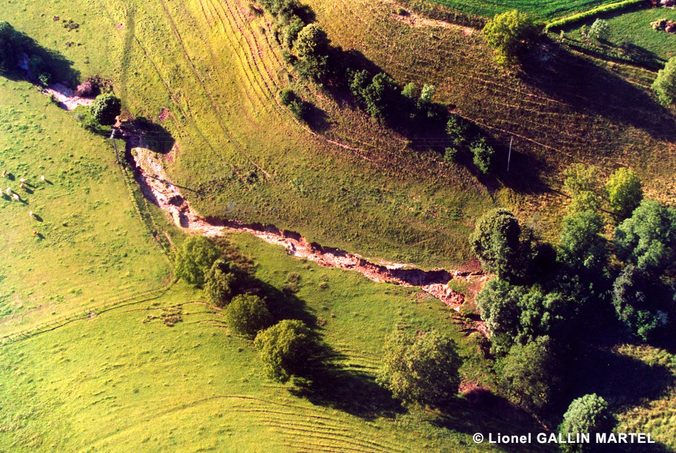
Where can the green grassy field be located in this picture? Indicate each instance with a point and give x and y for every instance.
(215, 66)
(92, 249)
(543, 9)
(634, 28)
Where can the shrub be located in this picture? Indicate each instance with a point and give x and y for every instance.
(220, 283)
(530, 374)
(586, 414)
(665, 83)
(450, 154)
(426, 94)
(509, 33)
(647, 239)
(311, 41)
(292, 30)
(423, 370)
(378, 96)
(194, 259)
(600, 30)
(456, 128)
(410, 91)
(247, 314)
(286, 348)
(482, 154)
(106, 108)
(580, 178)
(297, 106)
(624, 192)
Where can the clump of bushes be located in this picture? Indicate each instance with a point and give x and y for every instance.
(297, 106)
(194, 259)
(287, 348)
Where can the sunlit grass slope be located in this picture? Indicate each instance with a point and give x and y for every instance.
(85, 245)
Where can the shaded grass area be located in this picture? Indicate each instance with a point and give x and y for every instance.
(633, 37)
(91, 378)
(84, 245)
(543, 9)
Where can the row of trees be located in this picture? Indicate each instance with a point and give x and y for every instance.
(548, 301)
(421, 369)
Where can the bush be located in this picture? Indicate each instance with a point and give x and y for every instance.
(647, 239)
(456, 128)
(221, 282)
(580, 178)
(247, 314)
(194, 259)
(106, 108)
(378, 96)
(586, 414)
(624, 192)
(665, 83)
(450, 154)
(530, 374)
(292, 30)
(423, 370)
(286, 348)
(482, 154)
(600, 30)
(509, 33)
(297, 106)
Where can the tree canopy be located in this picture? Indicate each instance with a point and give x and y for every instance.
(624, 192)
(194, 259)
(586, 414)
(647, 239)
(509, 33)
(285, 348)
(247, 314)
(581, 245)
(421, 370)
(106, 108)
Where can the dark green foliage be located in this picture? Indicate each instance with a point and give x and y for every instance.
(624, 192)
(220, 283)
(457, 130)
(665, 83)
(482, 155)
(311, 47)
(378, 96)
(86, 119)
(286, 348)
(648, 238)
(105, 108)
(586, 414)
(530, 374)
(518, 314)
(292, 30)
(247, 314)
(297, 106)
(600, 30)
(280, 8)
(194, 259)
(509, 34)
(581, 245)
(500, 245)
(421, 370)
(643, 303)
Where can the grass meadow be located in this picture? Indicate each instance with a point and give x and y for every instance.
(85, 247)
(543, 9)
(634, 28)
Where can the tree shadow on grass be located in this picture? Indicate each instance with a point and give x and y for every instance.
(32, 59)
(482, 411)
(587, 87)
(357, 393)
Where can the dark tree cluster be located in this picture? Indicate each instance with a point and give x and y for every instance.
(547, 302)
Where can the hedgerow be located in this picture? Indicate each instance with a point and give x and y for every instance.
(574, 18)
